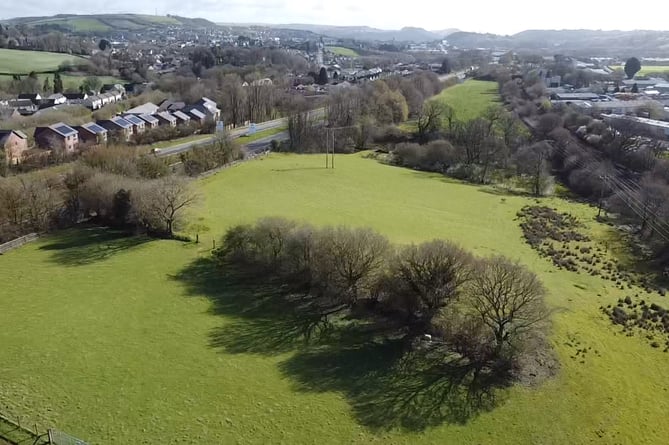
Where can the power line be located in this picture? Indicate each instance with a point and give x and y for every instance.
(626, 192)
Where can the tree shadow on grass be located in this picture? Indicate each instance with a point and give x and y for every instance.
(389, 387)
(264, 320)
(85, 246)
(388, 384)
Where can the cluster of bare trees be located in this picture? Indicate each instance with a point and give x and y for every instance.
(22, 36)
(617, 164)
(359, 114)
(220, 152)
(243, 94)
(492, 147)
(111, 186)
(437, 294)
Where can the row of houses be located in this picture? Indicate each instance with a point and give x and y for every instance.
(132, 122)
(29, 103)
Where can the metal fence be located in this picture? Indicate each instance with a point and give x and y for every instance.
(14, 431)
(60, 438)
(18, 242)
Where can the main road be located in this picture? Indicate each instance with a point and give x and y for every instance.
(237, 133)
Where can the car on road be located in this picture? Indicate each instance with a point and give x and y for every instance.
(155, 151)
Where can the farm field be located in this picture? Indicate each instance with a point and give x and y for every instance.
(470, 98)
(14, 61)
(128, 340)
(102, 22)
(341, 51)
(70, 82)
(647, 69)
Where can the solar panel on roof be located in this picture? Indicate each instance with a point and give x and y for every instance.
(122, 122)
(64, 130)
(134, 119)
(149, 118)
(95, 128)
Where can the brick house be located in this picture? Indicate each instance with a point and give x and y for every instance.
(57, 135)
(165, 118)
(138, 125)
(150, 121)
(182, 118)
(119, 126)
(13, 144)
(91, 134)
(197, 116)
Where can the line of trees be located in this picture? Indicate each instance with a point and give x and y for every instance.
(360, 114)
(494, 147)
(617, 165)
(487, 311)
(112, 186)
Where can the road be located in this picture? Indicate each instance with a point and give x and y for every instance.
(237, 133)
(459, 74)
(261, 145)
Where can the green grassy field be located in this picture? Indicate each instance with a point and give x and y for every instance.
(341, 51)
(104, 22)
(647, 69)
(70, 82)
(85, 25)
(471, 98)
(112, 340)
(13, 61)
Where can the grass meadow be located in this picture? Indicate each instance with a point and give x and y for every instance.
(647, 69)
(71, 82)
(470, 98)
(13, 61)
(105, 22)
(130, 340)
(341, 51)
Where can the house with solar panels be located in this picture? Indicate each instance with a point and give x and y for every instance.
(182, 118)
(165, 118)
(57, 136)
(138, 125)
(209, 107)
(118, 126)
(196, 116)
(91, 134)
(150, 122)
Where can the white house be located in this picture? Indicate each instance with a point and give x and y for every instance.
(93, 102)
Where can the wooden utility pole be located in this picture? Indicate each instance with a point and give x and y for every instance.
(333, 148)
(601, 195)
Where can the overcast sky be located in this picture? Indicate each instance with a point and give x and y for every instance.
(497, 16)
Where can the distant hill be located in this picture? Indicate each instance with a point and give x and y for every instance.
(586, 42)
(101, 23)
(444, 32)
(367, 33)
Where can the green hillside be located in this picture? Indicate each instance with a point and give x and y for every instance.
(109, 22)
(130, 340)
(13, 61)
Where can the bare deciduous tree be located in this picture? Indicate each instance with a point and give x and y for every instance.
(161, 203)
(508, 298)
(426, 278)
(533, 161)
(349, 261)
(233, 98)
(429, 119)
